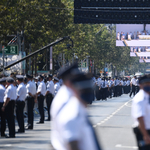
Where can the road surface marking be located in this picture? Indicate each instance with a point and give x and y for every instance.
(111, 115)
(128, 147)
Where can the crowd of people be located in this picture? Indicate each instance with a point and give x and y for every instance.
(114, 87)
(139, 49)
(16, 91)
(131, 35)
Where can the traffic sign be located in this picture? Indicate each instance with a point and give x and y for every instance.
(112, 11)
(11, 50)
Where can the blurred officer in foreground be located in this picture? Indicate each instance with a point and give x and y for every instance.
(49, 94)
(41, 91)
(9, 105)
(20, 103)
(2, 113)
(30, 101)
(141, 114)
(69, 113)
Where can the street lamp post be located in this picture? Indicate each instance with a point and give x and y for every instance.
(3, 51)
(6, 59)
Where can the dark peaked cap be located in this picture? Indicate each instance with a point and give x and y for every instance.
(2, 80)
(83, 81)
(19, 76)
(41, 76)
(71, 70)
(9, 79)
(56, 79)
(49, 76)
(29, 76)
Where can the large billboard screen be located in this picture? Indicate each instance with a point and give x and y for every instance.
(139, 51)
(142, 60)
(133, 35)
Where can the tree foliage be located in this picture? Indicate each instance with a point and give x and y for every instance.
(43, 21)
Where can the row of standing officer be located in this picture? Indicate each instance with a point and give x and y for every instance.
(107, 87)
(17, 94)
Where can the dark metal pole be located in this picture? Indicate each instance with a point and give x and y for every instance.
(45, 47)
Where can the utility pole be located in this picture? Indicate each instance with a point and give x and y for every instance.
(3, 50)
(30, 58)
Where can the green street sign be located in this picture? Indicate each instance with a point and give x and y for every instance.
(11, 50)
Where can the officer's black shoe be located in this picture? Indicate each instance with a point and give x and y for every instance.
(19, 131)
(41, 122)
(3, 135)
(10, 136)
(29, 128)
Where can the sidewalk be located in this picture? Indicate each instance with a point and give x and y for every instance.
(36, 139)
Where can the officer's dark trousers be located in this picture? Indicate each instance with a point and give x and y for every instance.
(107, 93)
(137, 89)
(115, 91)
(41, 107)
(3, 122)
(133, 90)
(129, 89)
(9, 110)
(19, 114)
(97, 92)
(49, 99)
(110, 92)
(139, 138)
(103, 93)
(30, 106)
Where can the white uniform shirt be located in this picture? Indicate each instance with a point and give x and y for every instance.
(50, 87)
(133, 81)
(2, 93)
(128, 82)
(21, 92)
(10, 93)
(110, 82)
(121, 82)
(124, 83)
(137, 82)
(30, 88)
(115, 82)
(141, 108)
(99, 82)
(56, 88)
(102, 84)
(66, 127)
(34, 86)
(106, 83)
(42, 88)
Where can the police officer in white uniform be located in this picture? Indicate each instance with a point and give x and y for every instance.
(141, 114)
(69, 114)
(133, 84)
(115, 87)
(30, 97)
(49, 94)
(9, 105)
(41, 91)
(56, 85)
(20, 103)
(2, 113)
(110, 83)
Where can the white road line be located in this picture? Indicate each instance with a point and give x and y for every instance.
(127, 147)
(8, 145)
(111, 115)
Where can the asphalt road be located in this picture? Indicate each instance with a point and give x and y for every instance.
(111, 120)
